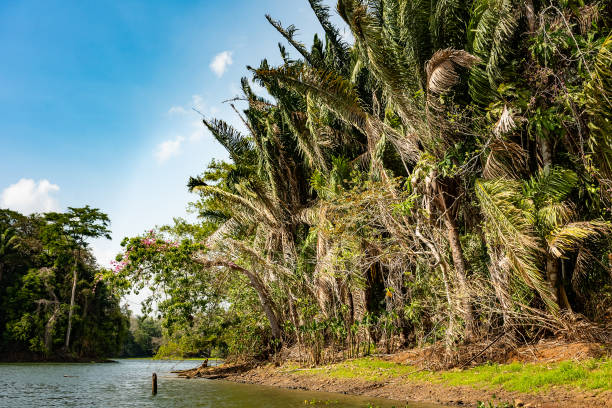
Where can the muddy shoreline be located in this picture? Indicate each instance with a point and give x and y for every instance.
(287, 376)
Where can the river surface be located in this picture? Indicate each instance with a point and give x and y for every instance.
(127, 383)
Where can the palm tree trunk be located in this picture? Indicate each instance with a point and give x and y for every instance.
(545, 147)
(556, 284)
(530, 14)
(452, 232)
(74, 282)
(552, 264)
(461, 274)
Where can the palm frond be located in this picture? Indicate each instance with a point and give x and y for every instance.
(505, 124)
(554, 214)
(551, 184)
(289, 34)
(341, 49)
(441, 72)
(598, 91)
(251, 210)
(495, 24)
(511, 227)
(448, 23)
(237, 145)
(505, 159)
(382, 36)
(570, 237)
(335, 92)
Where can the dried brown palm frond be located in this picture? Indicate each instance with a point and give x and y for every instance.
(575, 327)
(505, 159)
(441, 68)
(225, 229)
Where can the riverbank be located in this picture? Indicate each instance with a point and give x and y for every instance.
(547, 382)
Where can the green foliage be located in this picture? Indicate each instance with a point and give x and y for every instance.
(37, 258)
(447, 175)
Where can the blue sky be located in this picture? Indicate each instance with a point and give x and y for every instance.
(96, 98)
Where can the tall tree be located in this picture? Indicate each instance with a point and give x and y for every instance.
(79, 225)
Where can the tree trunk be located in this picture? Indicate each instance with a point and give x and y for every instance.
(267, 304)
(545, 147)
(440, 192)
(444, 269)
(461, 273)
(74, 283)
(49, 328)
(530, 14)
(556, 285)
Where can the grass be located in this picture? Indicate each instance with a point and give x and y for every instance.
(170, 358)
(523, 377)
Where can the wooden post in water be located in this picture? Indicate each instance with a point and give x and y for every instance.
(154, 384)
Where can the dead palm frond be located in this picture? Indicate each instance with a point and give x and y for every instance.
(441, 68)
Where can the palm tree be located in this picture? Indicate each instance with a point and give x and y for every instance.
(261, 193)
(534, 226)
(432, 93)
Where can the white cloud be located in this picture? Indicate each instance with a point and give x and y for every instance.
(28, 196)
(220, 63)
(169, 148)
(177, 110)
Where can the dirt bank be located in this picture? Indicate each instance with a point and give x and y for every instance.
(375, 382)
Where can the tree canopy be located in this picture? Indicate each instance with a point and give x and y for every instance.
(49, 281)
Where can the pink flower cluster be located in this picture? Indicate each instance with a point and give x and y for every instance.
(118, 266)
(152, 240)
(149, 241)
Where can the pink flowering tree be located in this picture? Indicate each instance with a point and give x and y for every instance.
(179, 286)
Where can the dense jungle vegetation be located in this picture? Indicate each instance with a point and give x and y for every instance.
(52, 300)
(445, 179)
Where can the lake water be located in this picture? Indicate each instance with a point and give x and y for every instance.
(127, 383)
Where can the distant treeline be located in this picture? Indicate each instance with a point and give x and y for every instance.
(143, 338)
(45, 266)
